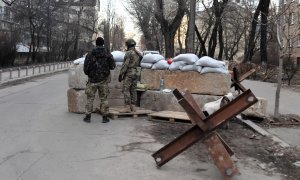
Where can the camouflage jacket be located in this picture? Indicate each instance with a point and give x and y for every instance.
(97, 64)
(131, 61)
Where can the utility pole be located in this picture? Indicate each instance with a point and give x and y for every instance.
(191, 29)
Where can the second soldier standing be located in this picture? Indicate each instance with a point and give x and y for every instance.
(128, 74)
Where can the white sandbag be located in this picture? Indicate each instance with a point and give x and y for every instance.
(146, 65)
(209, 62)
(162, 64)
(119, 63)
(152, 58)
(214, 70)
(118, 56)
(79, 61)
(213, 106)
(176, 65)
(190, 67)
(188, 58)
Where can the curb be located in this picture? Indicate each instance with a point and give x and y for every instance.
(263, 132)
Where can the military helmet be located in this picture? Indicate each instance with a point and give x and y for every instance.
(130, 43)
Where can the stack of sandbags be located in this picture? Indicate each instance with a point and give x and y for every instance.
(151, 59)
(79, 61)
(162, 65)
(118, 57)
(210, 65)
(77, 84)
(185, 62)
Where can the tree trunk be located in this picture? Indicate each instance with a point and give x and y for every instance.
(217, 30)
(169, 44)
(221, 41)
(202, 51)
(213, 41)
(191, 28)
(264, 26)
(169, 28)
(251, 43)
(279, 83)
(179, 41)
(106, 35)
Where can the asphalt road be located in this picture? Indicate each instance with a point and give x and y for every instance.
(41, 140)
(289, 100)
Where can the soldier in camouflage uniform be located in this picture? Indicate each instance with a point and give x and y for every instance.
(97, 66)
(128, 74)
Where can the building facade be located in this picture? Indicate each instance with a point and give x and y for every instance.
(6, 19)
(289, 11)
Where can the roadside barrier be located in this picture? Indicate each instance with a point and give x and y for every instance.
(23, 72)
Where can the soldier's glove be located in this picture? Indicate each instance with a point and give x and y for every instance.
(120, 78)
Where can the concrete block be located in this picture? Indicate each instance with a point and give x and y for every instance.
(160, 101)
(209, 83)
(77, 78)
(77, 100)
(259, 109)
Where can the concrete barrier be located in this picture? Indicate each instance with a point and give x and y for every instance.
(209, 83)
(77, 79)
(160, 101)
(258, 109)
(77, 100)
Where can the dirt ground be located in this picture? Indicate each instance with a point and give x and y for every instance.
(244, 142)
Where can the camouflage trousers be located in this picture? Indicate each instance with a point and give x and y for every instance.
(129, 89)
(103, 92)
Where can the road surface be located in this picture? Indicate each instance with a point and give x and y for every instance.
(289, 100)
(41, 140)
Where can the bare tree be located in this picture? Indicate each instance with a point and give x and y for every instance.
(170, 25)
(117, 35)
(262, 10)
(203, 29)
(235, 23)
(143, 13)
(287, 33)
(217, 32)
(191, 27)
(9, 2)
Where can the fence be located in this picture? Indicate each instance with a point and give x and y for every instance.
(17, 73)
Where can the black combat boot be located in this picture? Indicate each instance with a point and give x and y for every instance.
(87, 118)
(105, 119)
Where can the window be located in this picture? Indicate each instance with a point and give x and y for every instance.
(1, 10)
(298, 62)
(290, 42)
(291, 18)
(283, 19)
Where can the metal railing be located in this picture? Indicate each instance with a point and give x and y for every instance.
(17, 73)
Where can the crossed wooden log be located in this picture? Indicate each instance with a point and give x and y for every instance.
(204, 129)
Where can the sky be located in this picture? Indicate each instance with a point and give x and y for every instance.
(131, 31)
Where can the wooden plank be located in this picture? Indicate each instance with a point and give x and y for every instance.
(114, 112)
(172, 116)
